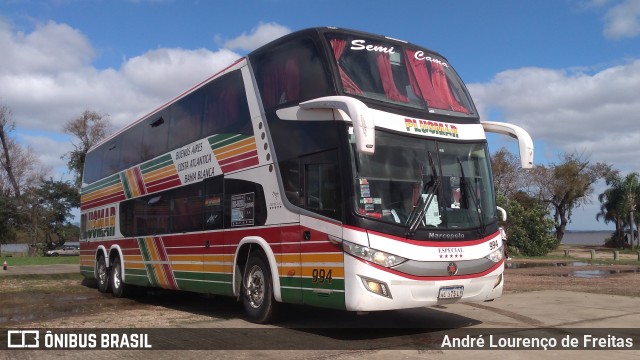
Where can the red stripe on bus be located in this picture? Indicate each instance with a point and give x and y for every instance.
(239, 157)
(164, 186)
(96, 203)
(139, 181)
(240, 165)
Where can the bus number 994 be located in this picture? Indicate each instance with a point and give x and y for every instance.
(320, 276)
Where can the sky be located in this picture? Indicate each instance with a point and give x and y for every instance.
(567, 71)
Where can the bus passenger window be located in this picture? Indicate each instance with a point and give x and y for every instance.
(226, 108)
(322, 192)
(156, 134)
(186, 120)
(186, 209)
(213, 203)
(290, 74)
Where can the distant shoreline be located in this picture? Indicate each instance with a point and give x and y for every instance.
(586, 237)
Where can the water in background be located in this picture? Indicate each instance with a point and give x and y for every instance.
(585, 237)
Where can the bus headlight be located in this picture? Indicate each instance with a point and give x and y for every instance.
(496, 256)
(375, 256)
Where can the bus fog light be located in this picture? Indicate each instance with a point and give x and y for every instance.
(376, 287)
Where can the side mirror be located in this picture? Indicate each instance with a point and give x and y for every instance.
(503, 213)
(358, 112)
(525, 144)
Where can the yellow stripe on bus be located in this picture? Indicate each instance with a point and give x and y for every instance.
(187, 267)
(215, 268)
(113, 189)
(236, 145)
(133, 184)
(243, 150)
(160, 173)
(336, 272)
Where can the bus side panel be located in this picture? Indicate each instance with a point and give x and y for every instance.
(289, 267)
(322, 272)
(193, 262)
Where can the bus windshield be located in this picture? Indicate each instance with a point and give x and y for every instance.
(407, 76)
(434, 184)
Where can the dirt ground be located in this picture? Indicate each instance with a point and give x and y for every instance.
(68, 301)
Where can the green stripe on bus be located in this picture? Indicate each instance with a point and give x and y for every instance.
(125, 185)
(290, 281)
(336, 284)
(154, 164)
(218, 141)
(202, 276)
(111, 180)
(146, 257)
(291, 296)
(205, 287)
(334, 300)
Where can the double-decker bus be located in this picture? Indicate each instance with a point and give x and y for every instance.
(330, 167)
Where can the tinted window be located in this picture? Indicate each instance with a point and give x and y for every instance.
(131, 154)
(173, 211)
(226, 109)
(186, 120)
(219, 107)
(156, 135)
(213, 203)
(291, 73)
(297, 145)
(111, 160)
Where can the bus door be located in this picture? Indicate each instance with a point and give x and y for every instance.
(320, 248)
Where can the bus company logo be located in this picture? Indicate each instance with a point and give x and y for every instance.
(452, 269)
(101, 222)
(431, 127)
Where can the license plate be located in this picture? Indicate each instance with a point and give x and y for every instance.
(451, 292)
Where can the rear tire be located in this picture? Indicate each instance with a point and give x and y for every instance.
(118, 287)
(257, 291)
(102, 275)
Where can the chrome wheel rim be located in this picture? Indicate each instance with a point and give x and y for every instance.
(255, 287)
(116, 277)
(102, 272)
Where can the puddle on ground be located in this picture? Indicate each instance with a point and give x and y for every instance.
(580, 273)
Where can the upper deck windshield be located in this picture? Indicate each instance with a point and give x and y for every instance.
(425, 184)
(408, 76)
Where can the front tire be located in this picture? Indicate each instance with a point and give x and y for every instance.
(118, 287)
(257, 290)
(102, 275)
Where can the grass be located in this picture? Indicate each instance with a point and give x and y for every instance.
(39, 260)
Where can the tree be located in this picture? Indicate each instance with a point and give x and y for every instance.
(6, 126)
(88, 128)
(8, 220)
(566, 186)
(528, 225)
(611, 208)
(621, 202)
(508, 175)
(57, 199)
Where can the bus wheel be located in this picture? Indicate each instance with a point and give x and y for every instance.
(118, 287)
(103, 275)
(257, 291)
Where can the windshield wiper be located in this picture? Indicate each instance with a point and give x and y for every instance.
(422, 204)
(468, 188)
